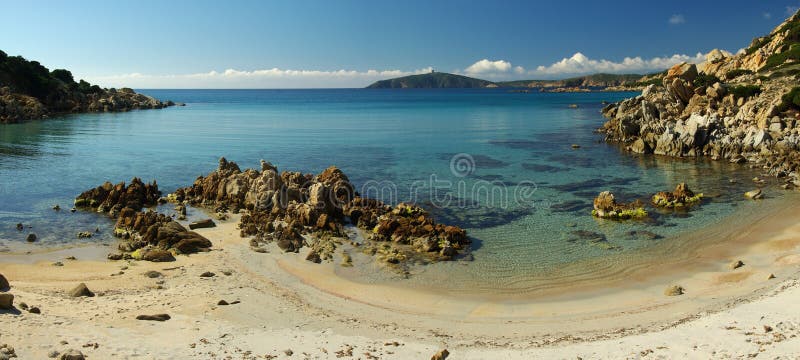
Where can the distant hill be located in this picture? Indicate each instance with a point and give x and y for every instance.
(29, 90)
(435, 80)
(588, 81)
(445, 80)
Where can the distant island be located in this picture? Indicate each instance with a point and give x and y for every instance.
(595, 82)
(432, 80)
(29, 90)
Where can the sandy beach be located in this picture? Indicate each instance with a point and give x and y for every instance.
(287, 305)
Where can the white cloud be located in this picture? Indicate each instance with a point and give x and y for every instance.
(267, 78)
(677, 19)
(580, 64)
(486, 66)
(767, 15)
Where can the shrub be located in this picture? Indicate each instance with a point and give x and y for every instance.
(791, 100)
(705, 80)
(736, 73)
(63, 75)
(655, 81)
(792, 54)
(745, 91)
(88, 88)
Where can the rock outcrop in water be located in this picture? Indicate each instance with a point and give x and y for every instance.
(295, 210)
(750, 116)
(682, 197)
(607, 207)
(29, 90)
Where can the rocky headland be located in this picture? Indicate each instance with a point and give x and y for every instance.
(29, 91)
(740, 108)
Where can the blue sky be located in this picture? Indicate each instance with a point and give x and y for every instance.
(275, 44)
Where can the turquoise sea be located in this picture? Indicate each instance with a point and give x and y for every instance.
(499, 164)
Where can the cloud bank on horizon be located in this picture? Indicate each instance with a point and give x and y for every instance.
(580, 64)
(496, 70)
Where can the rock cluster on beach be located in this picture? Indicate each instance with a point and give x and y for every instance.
(155, 237)
(146, 235)
(285, 207)
(741, 108)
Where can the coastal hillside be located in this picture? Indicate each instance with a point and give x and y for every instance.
(587, 81)
(594, 82)
(779, 51)
(742, 108)
(433, 80)
(29, 90)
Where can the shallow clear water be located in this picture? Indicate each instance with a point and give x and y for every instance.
(497, 163)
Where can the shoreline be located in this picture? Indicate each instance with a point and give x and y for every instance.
(312, 299)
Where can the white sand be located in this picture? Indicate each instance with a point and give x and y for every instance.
(288, 303)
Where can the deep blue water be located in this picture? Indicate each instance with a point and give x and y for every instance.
(517, 185)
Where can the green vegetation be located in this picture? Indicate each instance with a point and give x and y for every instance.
(705, 80)
(594, 80)
(790, 49)
(33, 79)
(64, 75)
(745, 91)
(757, 44)
(792, 54)
(654, 81)
(736, 73)
(790, 100)
(431, 81)
(664, 201)
(635, 213)
(783, 72)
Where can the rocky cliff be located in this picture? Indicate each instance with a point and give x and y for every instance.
(29, 90)
(740, 108)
